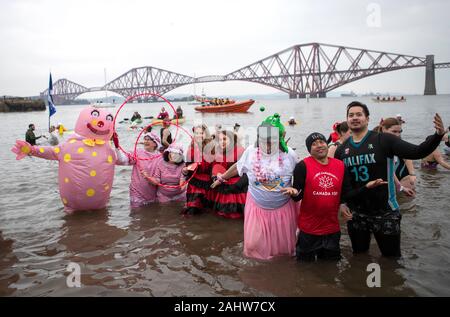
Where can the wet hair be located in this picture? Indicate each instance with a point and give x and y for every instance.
(342, 128)
(166, 158)
(387, 124)
(358, 104)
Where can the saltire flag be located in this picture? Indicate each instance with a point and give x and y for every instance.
(51, 105)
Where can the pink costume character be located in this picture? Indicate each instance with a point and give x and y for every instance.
(142, 192)
(168, 172)
(86, 161)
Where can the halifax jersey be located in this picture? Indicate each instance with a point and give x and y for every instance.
(373, 158)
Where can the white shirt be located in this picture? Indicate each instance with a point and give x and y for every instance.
(276, 173)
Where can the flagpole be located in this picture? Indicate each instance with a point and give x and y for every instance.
(51, 105)
(46, 101)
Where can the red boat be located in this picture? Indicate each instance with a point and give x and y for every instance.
(242, 106)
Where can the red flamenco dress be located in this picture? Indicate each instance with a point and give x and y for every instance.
(198, 193)
(228, 199)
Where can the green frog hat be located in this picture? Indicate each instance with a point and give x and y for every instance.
(275, 121)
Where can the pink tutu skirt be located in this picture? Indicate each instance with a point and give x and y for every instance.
(269, 232)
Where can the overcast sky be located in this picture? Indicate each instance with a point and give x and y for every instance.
(78, 39)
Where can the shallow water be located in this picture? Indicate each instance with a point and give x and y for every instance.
(153, 251)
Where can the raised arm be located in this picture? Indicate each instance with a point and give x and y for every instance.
(332, 150)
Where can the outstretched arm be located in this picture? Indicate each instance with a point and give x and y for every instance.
(22, 149)
(231, 172)
(403, 149)
(296, 191)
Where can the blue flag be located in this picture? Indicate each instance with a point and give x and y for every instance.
(51, 105)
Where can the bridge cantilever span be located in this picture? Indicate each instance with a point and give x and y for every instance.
(65, 89)
(442, 65)
(207, 79)
(315, 69)
(308, 69)
(147, 80)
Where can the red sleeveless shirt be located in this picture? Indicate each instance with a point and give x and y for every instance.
(321, 197)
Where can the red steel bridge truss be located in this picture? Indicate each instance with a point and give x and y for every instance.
(308, 69)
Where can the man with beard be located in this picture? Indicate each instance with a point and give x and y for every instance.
(369, 155)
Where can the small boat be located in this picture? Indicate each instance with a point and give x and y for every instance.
(242, 106)
(350, 94)
(389, 99)
(174, 121)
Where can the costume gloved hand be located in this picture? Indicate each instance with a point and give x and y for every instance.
(22, 149)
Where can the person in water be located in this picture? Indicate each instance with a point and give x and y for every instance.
(136, 116)
(405, 174)
(344, 133)
(321, 183)
(292, 121)
(228, 199)
(163, 114)
(436, 158)
(269, 216)
(166, 135)
(149, 158)
(199, 159)
(447, 142)
(334, 136)
(168, 176)
(30, 137)
(53, 138)
(179, 113)
(367, 156)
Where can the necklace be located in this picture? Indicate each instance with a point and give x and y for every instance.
(268, 174)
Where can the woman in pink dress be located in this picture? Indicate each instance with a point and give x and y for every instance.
(270, 219)
(142, 192)
(169, 173)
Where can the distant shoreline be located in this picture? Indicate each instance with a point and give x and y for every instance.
(21, 105)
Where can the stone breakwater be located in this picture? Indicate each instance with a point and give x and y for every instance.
(20, 105)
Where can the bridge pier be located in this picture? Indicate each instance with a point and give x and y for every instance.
(311, 95)
(318, 95)
(430, 82)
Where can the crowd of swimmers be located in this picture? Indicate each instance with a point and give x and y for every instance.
(289, 206)
(390, 99)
